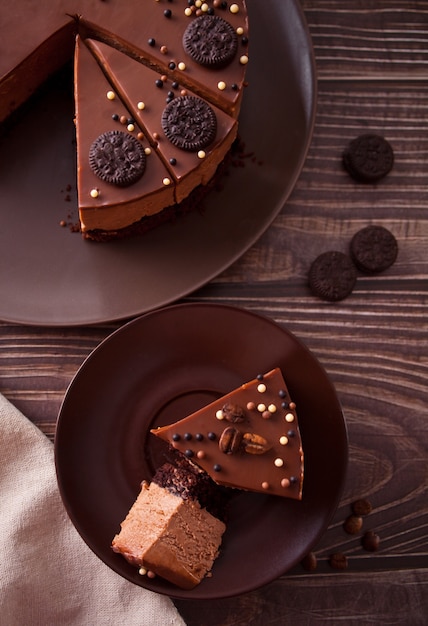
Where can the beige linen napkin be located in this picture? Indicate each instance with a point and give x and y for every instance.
(48, 575)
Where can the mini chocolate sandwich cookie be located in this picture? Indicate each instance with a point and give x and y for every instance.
(189, 123)
(368, 158)
(117, 158)
(332, 276)
(373, 249)
(210, 40)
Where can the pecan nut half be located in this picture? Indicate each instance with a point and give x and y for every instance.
(255, 444)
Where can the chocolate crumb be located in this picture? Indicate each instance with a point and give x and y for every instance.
(353, 524)
(338, 560)
(361, 507)
(309, 562)
(370, 541)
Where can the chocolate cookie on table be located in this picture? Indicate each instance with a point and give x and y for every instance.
(373, 249)
(368, 158)
(332, 276)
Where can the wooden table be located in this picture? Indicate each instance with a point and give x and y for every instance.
(372, 60)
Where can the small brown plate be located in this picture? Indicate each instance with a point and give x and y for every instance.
(157, 369)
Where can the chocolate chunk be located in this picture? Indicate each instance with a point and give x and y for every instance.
(368, 158)
(309, 562)
(353, 524)
(373, 249)
(370, 541)
(338, 560)
(361, 507)
(210, 40)
(332, 276)
(189, 123)
(118, 158)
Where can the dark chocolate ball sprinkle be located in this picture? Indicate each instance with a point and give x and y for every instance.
(117, 158)
(115, 117)
(172, 65)
(151, 42)
(188, 436)
(212, 436)
(159, 83)
(174, 85)
(167, 13)
(282, 393)
(217, 467)
(259, 376)
(189, 453)
(176, 437)
(291, 433)
(199, 437)
(173, 161)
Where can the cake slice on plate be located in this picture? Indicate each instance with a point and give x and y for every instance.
(247, 439)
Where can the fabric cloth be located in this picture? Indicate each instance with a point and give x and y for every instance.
(48, 575)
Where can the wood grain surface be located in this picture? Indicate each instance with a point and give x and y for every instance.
(372, 64)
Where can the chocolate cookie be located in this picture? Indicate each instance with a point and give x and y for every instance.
(118, 158)
(189, 123)
(368, 158)
(332, 276)
(373, 249)
(210, 40)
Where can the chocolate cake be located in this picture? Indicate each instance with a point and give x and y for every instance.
(248, 439)
(168, 76)
(169, 536)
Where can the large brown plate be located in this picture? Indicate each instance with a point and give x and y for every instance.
(155, 370)
(49, 276)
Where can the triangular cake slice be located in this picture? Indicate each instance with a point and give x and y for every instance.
(102, 120)
(169, 115)
(248, 439)
(201, 45)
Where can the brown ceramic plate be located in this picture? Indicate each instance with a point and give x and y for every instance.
(155, 370)
(50, 276)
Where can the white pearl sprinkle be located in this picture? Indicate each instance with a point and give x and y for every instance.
(289, 417)
(141, 106)
(219, 415)
(130, 127)
(95, 193)
(234, 8)
(166, 181)
(181, 66)
(147, 151)
(188, 12)
(261, 388)
(111, 95)
(261, 408)
(243, 59)
(283, 440)
(239, 30)
(278, 462)
(221, 85)
(202, 154)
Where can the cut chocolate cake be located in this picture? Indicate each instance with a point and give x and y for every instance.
(167, 86)
(248, 439)
(169, 536)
